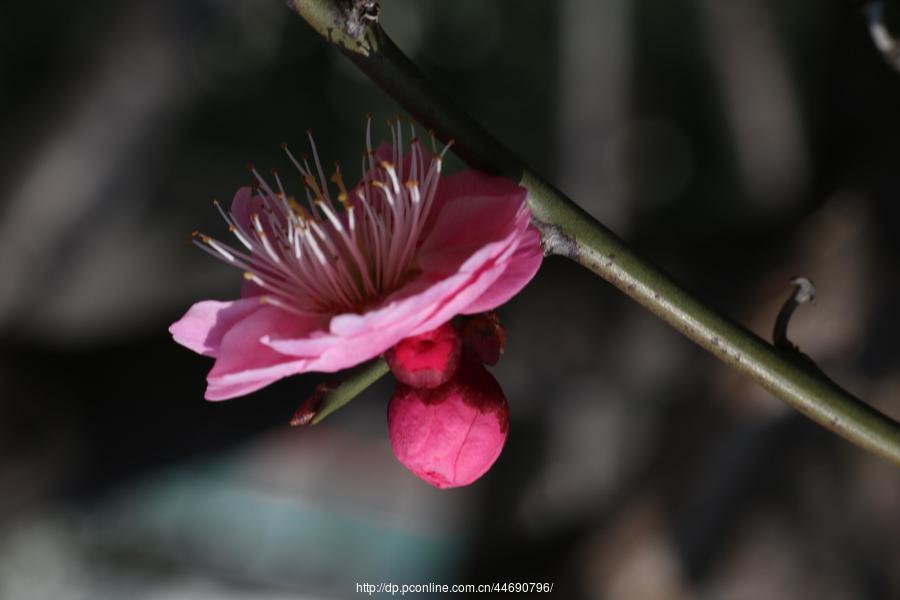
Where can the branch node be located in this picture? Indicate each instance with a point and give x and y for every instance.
(358, 15)
(554, 240)
(350, 24)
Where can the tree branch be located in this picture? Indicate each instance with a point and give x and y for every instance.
(567, 230)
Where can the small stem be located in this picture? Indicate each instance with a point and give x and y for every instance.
(329, 397)
(804, 291)
(353, 386)
(569, 231)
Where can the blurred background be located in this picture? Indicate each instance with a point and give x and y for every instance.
(736, 144)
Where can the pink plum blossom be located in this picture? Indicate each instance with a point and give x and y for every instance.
(349, 275)
(450, 436)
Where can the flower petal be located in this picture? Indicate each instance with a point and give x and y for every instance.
(469, 184)
(465, 228)
(353, 338)
(477, 284)
(245, 364)
(243, 205)
(520, 269)
(205, 323)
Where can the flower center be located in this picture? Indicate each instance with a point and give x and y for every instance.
(341, 254)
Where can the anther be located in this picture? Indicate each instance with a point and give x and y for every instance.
(338, 180)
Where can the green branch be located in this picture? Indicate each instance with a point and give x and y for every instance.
(569, 231)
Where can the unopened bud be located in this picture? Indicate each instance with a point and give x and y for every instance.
(427, 360)
(451, 435)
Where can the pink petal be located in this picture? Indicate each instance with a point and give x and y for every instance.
(486, 267)
(465, 229)
(251, 290)
(353, 338)
(218, 390)
(201, 329)
(468, 184)
(476, 183)
(385, 152)
(520, 269)
(245, 364)
(243, 205)
(477, 284)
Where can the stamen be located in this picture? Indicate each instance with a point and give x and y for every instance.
(338, 180)
(389, 168)
(312, 145)
(413, 186)
(317, 260)
(263, 238)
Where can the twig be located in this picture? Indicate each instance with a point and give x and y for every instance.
(329, 397)
(804, 291)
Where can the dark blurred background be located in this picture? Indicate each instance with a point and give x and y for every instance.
(736, 143)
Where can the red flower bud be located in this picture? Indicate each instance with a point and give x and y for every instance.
(450, 436)
(426, 360)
